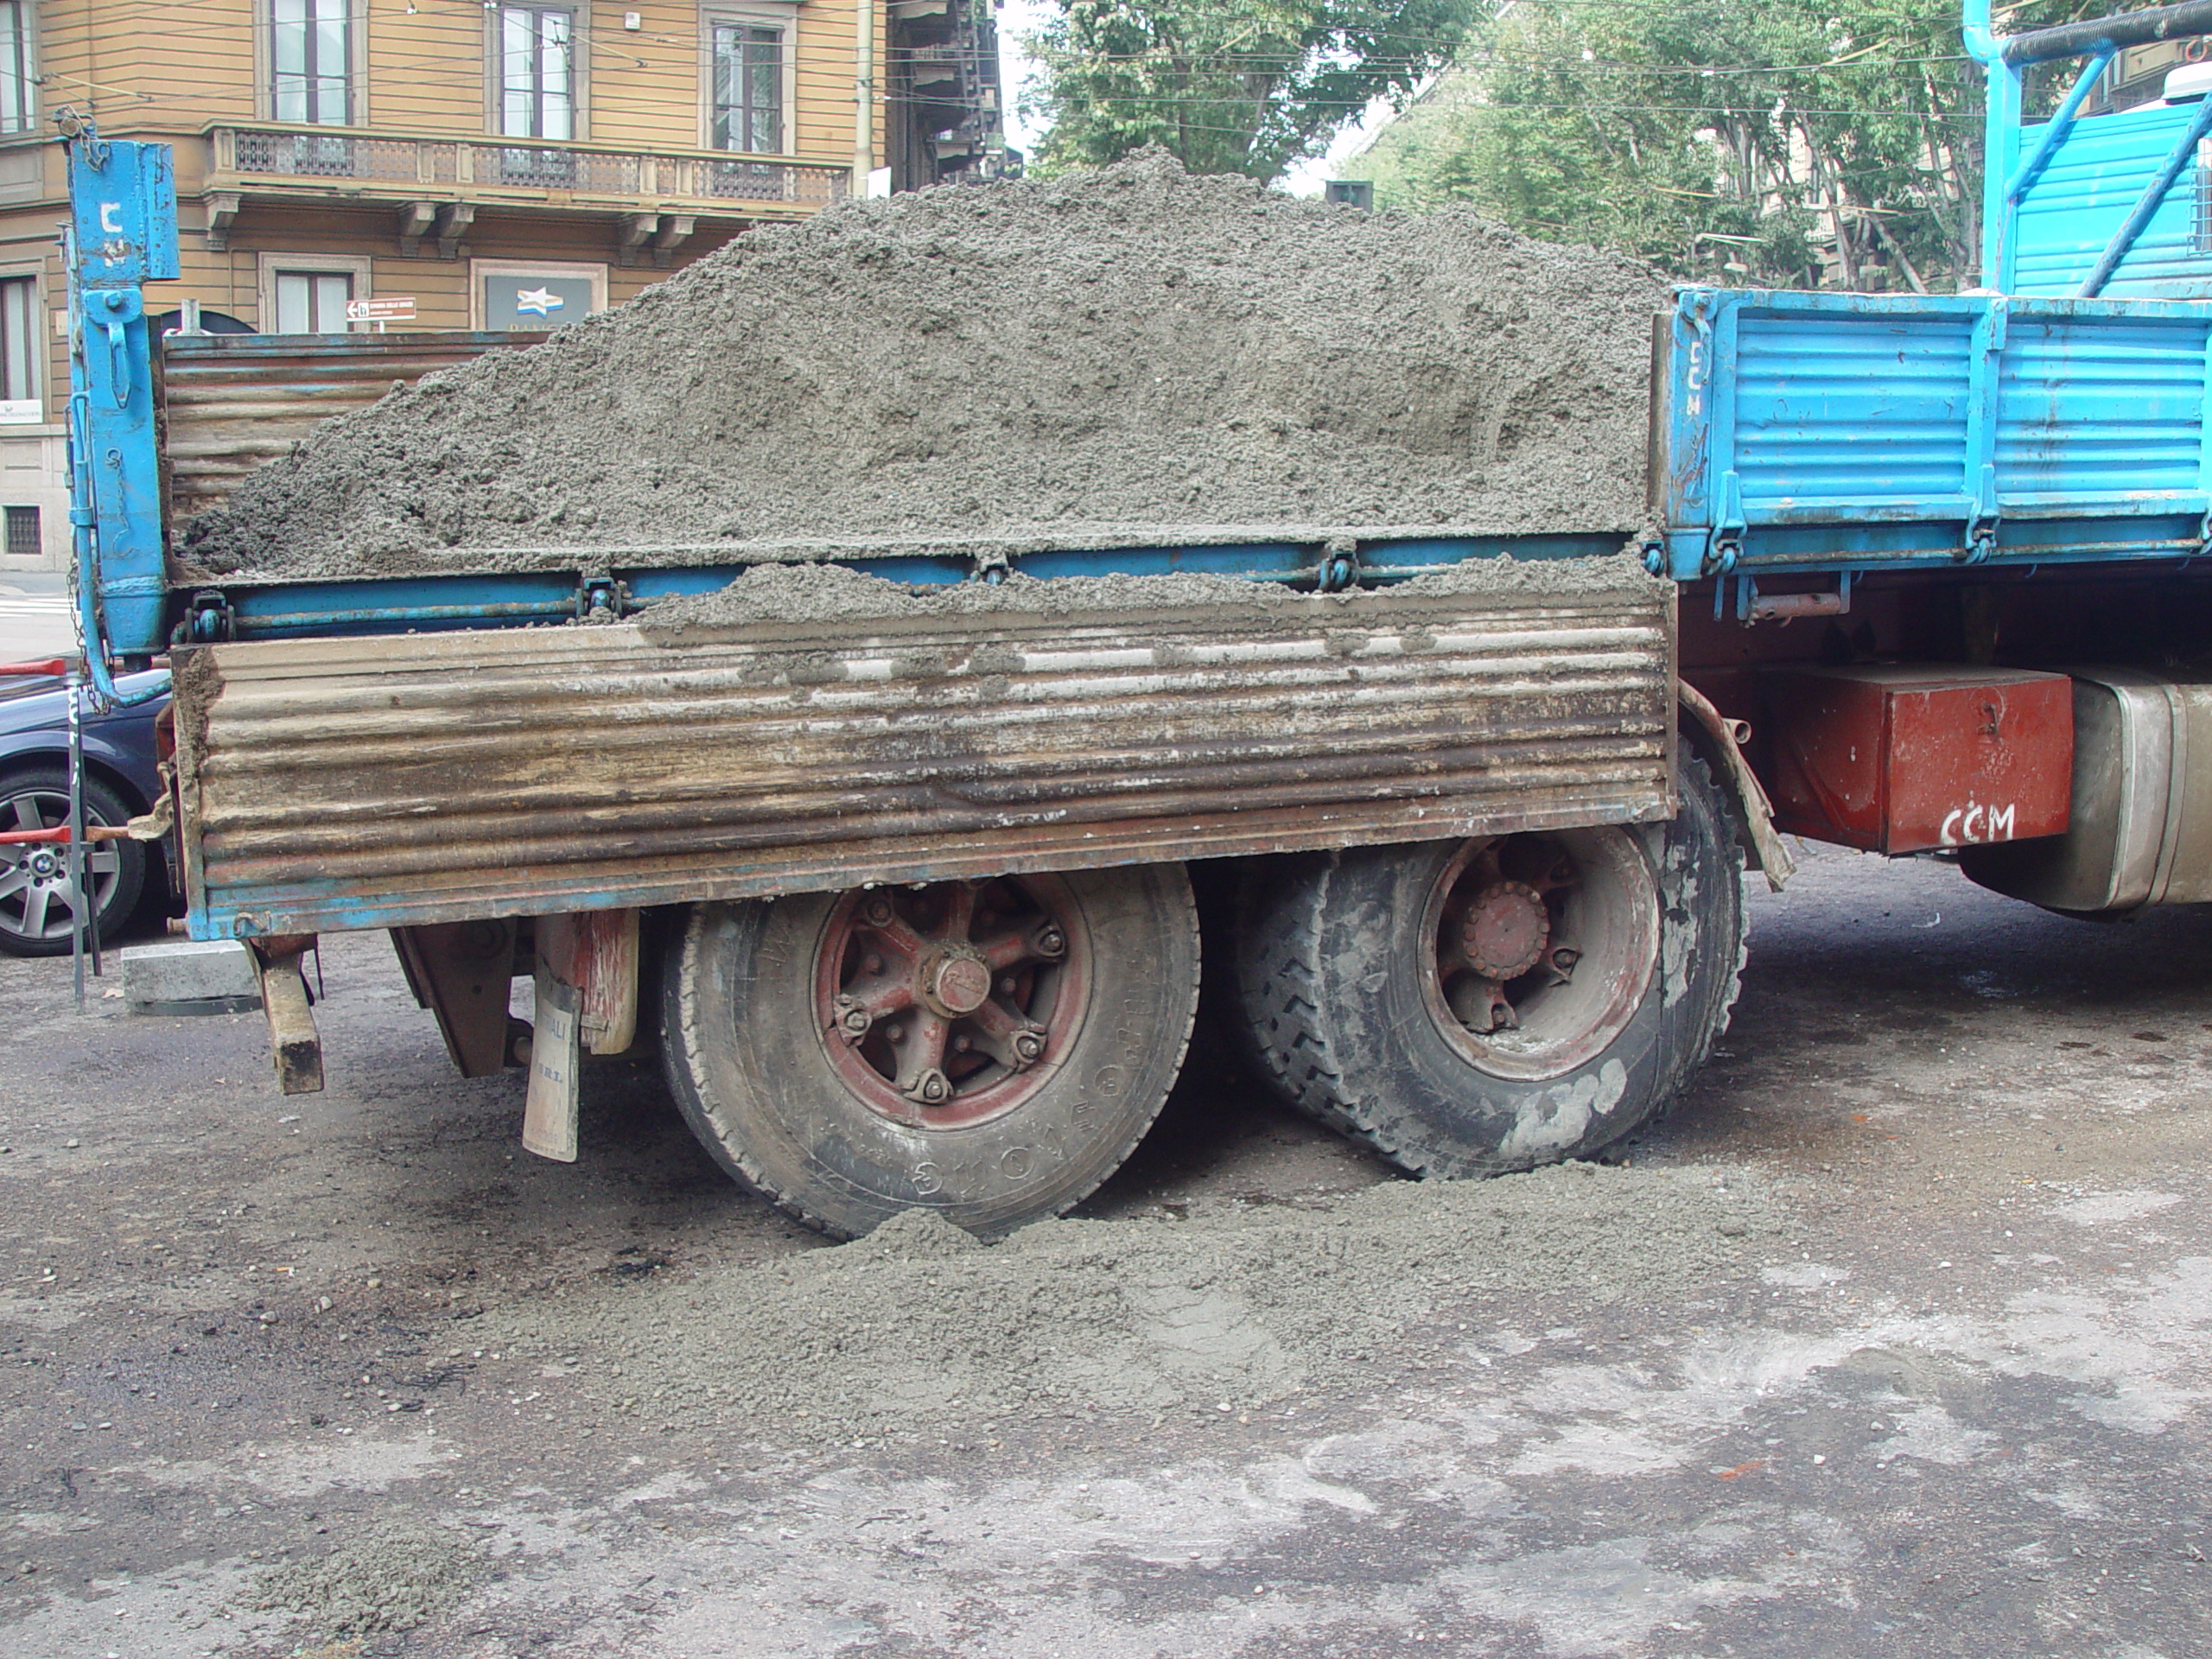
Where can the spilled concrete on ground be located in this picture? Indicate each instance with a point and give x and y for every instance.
(918, 1330)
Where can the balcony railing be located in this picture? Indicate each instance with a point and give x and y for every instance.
(466, 166)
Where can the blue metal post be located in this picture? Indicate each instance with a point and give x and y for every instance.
(2000, 211)
(2055, 130)
(122, 235)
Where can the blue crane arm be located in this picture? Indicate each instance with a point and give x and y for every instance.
(122, 234)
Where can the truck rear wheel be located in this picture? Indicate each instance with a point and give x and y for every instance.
(992, 1050)
(1471, 1008)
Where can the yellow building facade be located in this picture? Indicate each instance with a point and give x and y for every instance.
(499, 166)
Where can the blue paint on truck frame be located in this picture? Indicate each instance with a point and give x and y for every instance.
(1868, 431)
(122, 235)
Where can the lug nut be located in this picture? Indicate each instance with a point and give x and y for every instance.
(877, 912)
(932, 1088)
(855, 1021)
(1049, 941)
(1029, 1046)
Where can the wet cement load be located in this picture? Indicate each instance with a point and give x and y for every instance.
(918, 1329)
(1074, 363)
(803, 594)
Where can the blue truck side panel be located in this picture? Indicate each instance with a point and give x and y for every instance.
(1858, 431)
(2084, 194)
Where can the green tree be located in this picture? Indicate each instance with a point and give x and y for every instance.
(1246, 87)
(1736, 139)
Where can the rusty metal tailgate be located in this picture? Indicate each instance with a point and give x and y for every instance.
(230, 402)
(335, 783)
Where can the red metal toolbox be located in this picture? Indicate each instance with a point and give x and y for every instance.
(1899, 757)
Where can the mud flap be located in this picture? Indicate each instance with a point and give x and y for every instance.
(548, 1113)
(1774, 859)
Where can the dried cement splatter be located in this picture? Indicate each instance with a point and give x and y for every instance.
(392, 1579)
(1062, 360)
(826, 592)
(920, 1329)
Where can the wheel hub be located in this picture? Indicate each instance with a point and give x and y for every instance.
(1506, 929)
(946, 1004)
(1543, 944)
(957, 984)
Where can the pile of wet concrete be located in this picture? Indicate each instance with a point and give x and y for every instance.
(1077, 361)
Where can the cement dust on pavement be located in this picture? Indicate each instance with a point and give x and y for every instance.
(386, 1579)
(918, 1330)
(1132, 347)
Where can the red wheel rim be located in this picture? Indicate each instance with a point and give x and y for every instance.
(1539, 948)
(943, 1006)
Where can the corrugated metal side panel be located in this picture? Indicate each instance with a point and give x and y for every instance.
(2086, 193)
(230, 402)
(1838, 407)
(346, 784)
(2100, 407)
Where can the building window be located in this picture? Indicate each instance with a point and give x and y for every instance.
(2203, 227)
(748, 68)
(310, 50)
(529, 296)
(312, 301)
(22, 533)
(537, 94)
(19, 350)
(16, 113)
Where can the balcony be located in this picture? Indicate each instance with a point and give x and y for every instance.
(325, 163)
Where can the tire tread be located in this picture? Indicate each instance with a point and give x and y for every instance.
(1286, 1032)
(682, 1020)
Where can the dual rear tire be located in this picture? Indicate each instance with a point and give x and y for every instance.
(994, 1050)
(1472, 1009)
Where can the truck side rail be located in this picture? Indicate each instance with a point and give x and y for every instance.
(1866, 432)
(611, 584)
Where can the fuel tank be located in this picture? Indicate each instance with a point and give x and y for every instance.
(2141, 824)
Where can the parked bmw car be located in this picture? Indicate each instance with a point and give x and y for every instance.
(38, 904)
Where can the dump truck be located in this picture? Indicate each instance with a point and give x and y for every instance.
(898, 877)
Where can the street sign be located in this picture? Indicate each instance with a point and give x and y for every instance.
(398, 309)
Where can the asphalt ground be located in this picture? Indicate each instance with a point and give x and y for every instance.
(1956, 1405)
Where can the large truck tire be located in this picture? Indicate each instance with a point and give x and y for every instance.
(990, 1050)
(1469, 1008)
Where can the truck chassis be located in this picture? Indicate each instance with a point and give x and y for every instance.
(907, 899)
